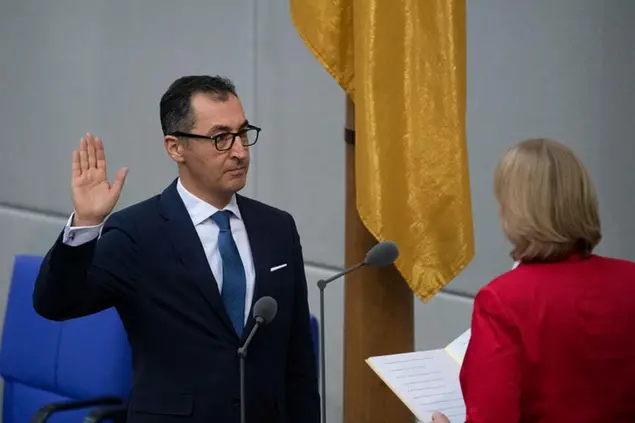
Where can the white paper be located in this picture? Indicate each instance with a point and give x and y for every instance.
(425, 381)
(458, 347)
(428, 381)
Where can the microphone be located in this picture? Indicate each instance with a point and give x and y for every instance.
(265, 310)
(382, 254)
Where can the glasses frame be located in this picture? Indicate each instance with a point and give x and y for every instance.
(217, 137)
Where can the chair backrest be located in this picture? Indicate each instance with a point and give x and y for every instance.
(43, 361)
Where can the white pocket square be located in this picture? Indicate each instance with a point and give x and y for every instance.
(274, 268)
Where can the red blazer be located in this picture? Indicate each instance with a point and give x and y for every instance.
(554, 343)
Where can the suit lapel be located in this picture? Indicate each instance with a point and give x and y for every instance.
(186, 242)
(258, 233)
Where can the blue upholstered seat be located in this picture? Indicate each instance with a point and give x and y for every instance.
(44, 362)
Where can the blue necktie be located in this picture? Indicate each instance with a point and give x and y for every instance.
(234, 281)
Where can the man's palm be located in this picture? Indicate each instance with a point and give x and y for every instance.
(94, 196)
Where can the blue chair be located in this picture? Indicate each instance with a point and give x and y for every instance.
(60, 371)
(315, 332)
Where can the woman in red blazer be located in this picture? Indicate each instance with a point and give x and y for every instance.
(553, 341)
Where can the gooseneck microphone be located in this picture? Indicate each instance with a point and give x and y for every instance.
(265, 310)
(382, 254)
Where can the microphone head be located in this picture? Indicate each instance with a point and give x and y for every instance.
(265, 310)
(382, 254)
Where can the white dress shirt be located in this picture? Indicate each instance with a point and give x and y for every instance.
(200, 213)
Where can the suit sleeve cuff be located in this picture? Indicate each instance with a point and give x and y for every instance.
(75, 236)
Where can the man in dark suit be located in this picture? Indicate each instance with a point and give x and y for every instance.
(184, 268)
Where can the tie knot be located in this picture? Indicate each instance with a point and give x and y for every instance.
(221, 218)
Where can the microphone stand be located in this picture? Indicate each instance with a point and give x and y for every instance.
(242, 354)
(321, 284)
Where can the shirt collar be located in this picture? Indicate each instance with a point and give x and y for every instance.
(199, 210)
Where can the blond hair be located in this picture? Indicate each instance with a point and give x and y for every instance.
(547, 203)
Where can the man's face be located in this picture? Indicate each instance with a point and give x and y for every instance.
(217, 172)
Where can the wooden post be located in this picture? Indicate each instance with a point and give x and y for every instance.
(378, 316)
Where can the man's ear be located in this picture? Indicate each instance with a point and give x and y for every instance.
(175, 148)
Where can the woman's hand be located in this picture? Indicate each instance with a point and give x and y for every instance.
(439, 418)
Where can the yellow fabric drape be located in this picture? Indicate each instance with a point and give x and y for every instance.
(403, 63)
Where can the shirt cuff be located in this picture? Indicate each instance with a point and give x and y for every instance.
(74, 236)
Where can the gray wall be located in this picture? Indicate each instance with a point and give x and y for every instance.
(561, 69)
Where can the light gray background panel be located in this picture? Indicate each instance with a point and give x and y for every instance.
(302, 110)
(542, 68)
(553, 69)
(69, 67)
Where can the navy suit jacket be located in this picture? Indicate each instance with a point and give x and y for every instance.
(150, 265)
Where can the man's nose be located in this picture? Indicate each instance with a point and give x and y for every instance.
(238, 150)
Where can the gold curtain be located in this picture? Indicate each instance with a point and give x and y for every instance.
(403, 63)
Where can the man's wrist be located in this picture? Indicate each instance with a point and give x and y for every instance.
(86, 221)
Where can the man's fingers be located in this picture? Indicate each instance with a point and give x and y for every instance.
(83, 155)
(100, 154)
(120, 178)
(90, 147)
(77, 171)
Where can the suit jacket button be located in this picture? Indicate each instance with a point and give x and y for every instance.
(236, 402)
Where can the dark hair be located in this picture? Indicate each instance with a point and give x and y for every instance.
(175, 110)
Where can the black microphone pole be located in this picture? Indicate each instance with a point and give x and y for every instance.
(321, 284)
(242, 354)
(380, 255)
(265, 310)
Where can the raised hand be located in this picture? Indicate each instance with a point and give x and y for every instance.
(93, 196)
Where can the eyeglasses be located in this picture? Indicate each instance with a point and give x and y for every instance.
(225, 141)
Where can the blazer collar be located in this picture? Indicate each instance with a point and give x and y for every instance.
(181, 230)
(185, 240)
(259, 231)
(199, 210)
